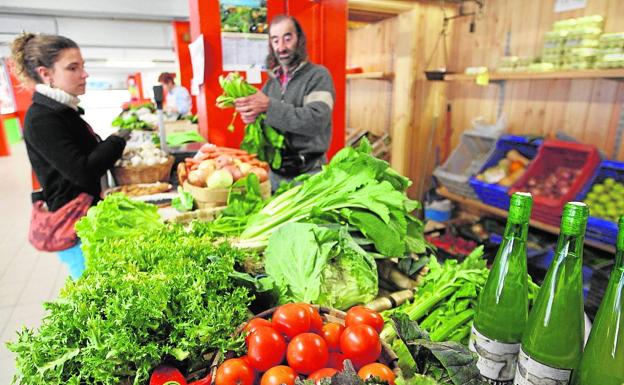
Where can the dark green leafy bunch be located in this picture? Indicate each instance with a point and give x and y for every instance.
(445, 362)
(355, 188)
(161, 295)
(260, 138)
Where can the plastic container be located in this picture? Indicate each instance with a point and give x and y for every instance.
(494, 194)
(599, 229)
(551, 155)
(466, 160)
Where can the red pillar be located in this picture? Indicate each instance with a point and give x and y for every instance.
(5, 150)
(182, 31)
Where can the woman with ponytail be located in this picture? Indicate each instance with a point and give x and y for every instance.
(67, 157)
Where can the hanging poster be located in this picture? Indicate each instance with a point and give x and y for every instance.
(244, 39)
(245, 16)
(569, 5)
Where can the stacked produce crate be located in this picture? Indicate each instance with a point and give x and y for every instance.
(611, 51)
(572, 43)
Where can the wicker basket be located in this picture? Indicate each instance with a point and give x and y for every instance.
(387, 356)
(143, 174)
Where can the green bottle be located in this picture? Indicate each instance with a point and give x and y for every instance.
(603, 359)
(502, 309)
(553, 339)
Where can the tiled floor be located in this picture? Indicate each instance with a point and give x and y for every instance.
(27, 277)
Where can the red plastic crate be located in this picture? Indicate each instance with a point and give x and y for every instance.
(553, 154)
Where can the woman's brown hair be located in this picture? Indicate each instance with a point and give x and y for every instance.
(30, 51)
(166, 77)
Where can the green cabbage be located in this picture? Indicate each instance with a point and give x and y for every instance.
(320, 265)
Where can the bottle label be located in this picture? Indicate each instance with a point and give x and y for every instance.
(531, 372)
(497, 360)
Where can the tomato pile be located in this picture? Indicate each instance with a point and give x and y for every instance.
(296, 342)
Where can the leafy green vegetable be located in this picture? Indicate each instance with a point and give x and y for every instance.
(446, 362)
(159, 295)
(184, 201)
(314, 264)
(260, 138)
(354, 188)
(117, 216)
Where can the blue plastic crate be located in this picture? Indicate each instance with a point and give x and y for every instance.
(599, 229)
(494, 194)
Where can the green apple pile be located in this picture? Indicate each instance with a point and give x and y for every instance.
(606, 200)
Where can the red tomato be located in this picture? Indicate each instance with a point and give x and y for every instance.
(336, 361)
(307, 353)
(291, 319)
(377, 370)
(265, 348)
(316, 322)
(322, 373)
(256, 323)
(360, 344)
(331, 333)
(358, 315)
(234, 371)
(279, 375)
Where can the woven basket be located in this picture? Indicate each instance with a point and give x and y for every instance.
(387, 356)
(143, 174)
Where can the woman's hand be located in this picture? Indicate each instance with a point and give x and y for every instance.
(251, 106)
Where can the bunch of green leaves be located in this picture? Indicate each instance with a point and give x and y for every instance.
(183, 202)
(445, 303)
(160, 295)
(130, 122)
(444, 362)
(321, 265)
(260, 138)
(355, 188)
(117, 216)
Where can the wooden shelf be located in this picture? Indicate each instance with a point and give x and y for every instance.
(503, 213)
(371, 75)
(575, 74)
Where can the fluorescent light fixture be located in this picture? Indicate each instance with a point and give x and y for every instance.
(111, 63)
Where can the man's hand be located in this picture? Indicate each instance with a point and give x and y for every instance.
(251, 106)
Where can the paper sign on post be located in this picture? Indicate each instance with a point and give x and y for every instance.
(198, 59)
(254, 76)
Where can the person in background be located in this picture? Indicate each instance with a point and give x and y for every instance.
(178, 98)
(298, 100)
(67, 157)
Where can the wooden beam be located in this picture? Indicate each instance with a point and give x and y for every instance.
(404, 88)
(380, 6)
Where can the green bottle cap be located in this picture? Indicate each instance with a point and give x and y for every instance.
(574, 218)
(620, 242)
(520, 207)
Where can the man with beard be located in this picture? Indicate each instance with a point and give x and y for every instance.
(298, 100)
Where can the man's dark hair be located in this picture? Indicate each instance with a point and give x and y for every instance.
(301, 51)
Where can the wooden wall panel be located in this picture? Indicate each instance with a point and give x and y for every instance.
(369, 102)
